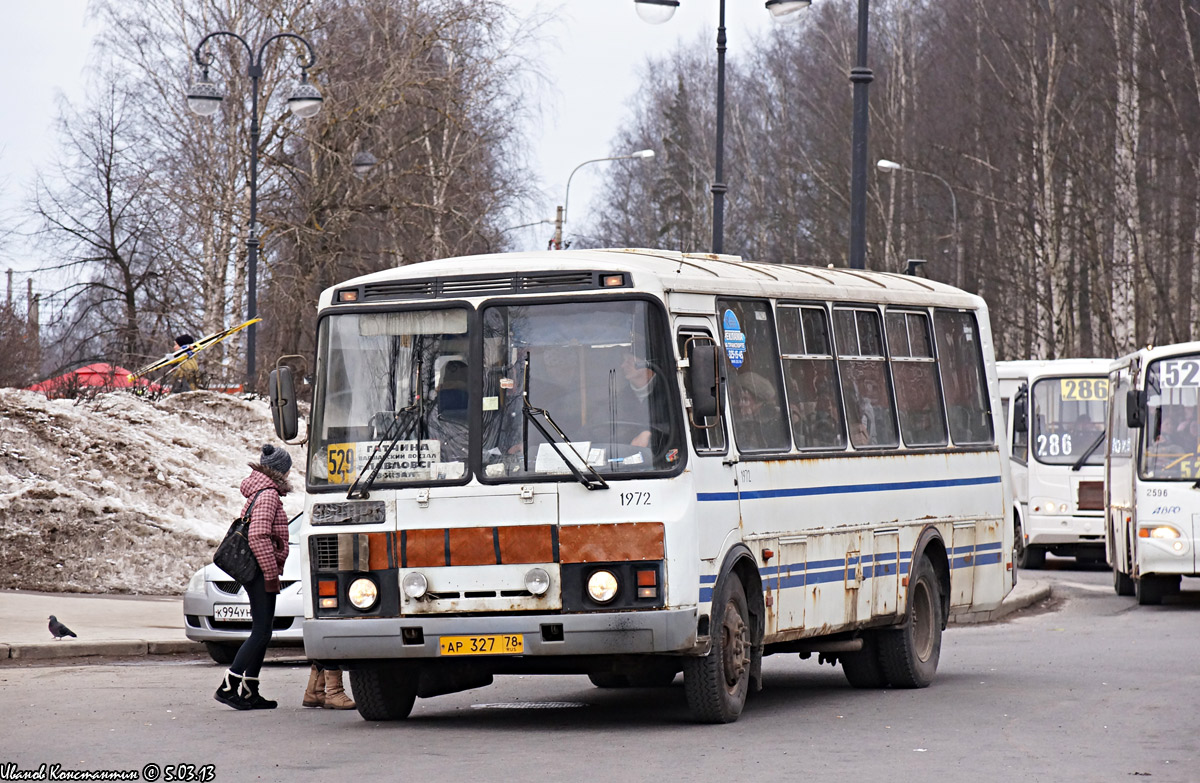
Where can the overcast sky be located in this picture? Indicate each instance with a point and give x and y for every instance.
(593, 53)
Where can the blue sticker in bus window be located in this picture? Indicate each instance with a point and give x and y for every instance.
(735, 339)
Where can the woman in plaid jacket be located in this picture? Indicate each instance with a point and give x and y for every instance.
(268, 538)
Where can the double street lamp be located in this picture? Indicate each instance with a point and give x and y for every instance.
(561, 216)
(890, 166)
(204, 98)
(785, 11)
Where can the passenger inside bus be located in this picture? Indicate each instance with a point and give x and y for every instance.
(754, 425)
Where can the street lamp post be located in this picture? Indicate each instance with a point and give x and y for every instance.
(204, 98)
(890, 166)
(659, 11)
(860, 76)
(560, 217)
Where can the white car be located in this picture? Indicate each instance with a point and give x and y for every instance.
(216, 610)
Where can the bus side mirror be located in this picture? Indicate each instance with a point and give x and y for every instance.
(282, 391)
(1020, 415)
(703, 375)
(1135, 408)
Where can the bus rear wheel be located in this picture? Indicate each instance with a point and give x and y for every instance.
(716, 685)
(384, 693)
(863, 668)
(909, 655)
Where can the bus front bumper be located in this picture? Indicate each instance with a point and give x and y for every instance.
(1051, 530)
(614, 633)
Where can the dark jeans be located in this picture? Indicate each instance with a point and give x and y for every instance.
(249, 658)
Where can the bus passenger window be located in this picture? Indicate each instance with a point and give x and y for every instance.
(961, 363)
(865, 383)
(918, 393)
(753, 373)
(810, 374)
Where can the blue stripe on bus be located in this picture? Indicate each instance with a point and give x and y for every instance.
(844, 489)
(823, 571)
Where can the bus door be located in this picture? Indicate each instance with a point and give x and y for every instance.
(713, 472)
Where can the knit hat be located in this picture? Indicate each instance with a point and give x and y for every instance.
(184, 340)
(276, 459)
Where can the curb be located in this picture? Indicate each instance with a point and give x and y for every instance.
(114, 649)
(1036, 595)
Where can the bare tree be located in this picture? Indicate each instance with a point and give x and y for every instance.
(97, 215)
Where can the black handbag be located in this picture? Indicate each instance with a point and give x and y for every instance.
(234, 555)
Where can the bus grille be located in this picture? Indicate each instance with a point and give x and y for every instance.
(324, 551)
(1091, 496)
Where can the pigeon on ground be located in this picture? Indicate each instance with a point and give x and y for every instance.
(58, 630)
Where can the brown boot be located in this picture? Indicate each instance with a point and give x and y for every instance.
(335, 694)
(314, 694)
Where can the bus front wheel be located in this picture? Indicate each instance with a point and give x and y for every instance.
(716, 684)
(384, 693)
(1151, 588)
(909, 655)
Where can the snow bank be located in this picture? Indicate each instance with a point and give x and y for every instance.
(121, 494)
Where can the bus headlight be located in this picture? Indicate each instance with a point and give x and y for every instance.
(1159, 531)
(602, 586)
(363, 593)
(414, 584)
(537, 581)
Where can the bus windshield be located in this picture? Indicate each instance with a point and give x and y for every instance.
(1068, 418)
(1170, 440)
(391, 383)
(589, 382)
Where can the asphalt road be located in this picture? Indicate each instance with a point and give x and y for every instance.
(1088, 688)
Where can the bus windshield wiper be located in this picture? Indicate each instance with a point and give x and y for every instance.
(530, 414)
(1089, 451)
(405, 421)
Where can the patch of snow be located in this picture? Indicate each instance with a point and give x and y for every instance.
(130, 495)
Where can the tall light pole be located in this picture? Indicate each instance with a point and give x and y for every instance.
(204, 98)
(860, 76)
(890, 166)
(785, 11)
(561, 213)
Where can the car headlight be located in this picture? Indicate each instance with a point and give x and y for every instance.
(196, 583)
(363, 593)
(537, 581)
(414, 584)
(602, 586)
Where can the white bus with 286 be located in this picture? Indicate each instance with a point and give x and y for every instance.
(631, 463)
(1153, 466)
(1056, 441)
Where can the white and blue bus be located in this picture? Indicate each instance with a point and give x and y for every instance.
(632, 463)
(1056, 442)
(1153, 471)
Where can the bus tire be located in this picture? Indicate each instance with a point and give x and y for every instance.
(909, 655)
(384, 693)
(1149, 590)
(1122, 582)
(1032, 557)
(863, 669)
(716, 684)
